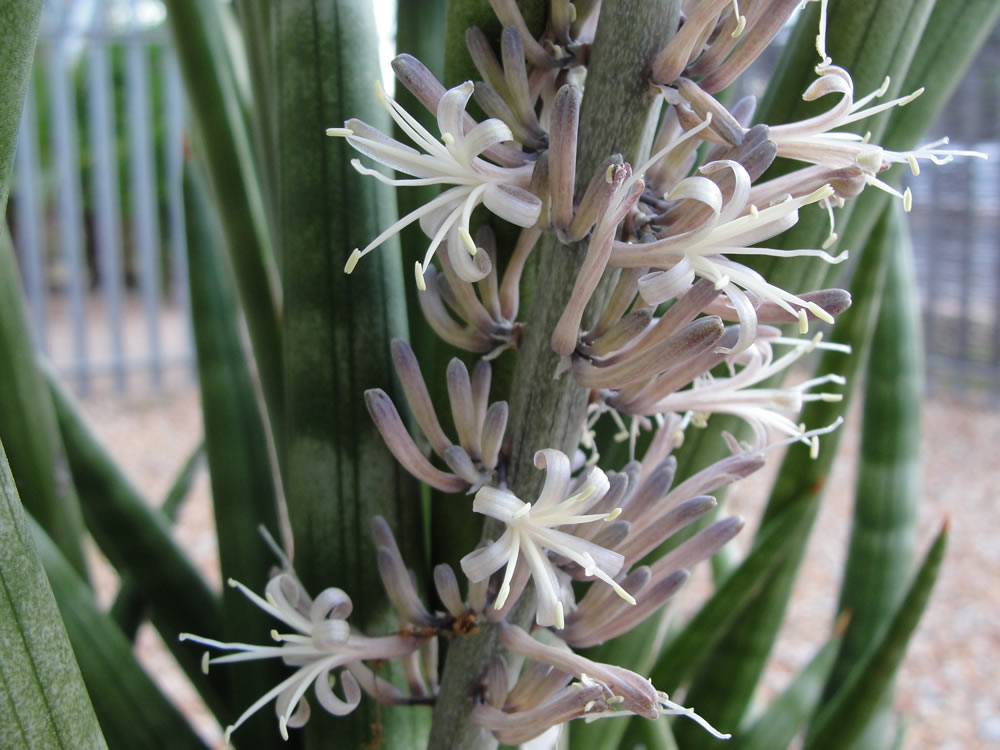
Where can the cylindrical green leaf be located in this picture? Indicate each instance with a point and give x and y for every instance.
(244, 492)
(19, 24)
(28, 425)
(844, 717)
(132, 711)
(887, 491)
(130, 606)
(337, 333)
(224, 141)
(43, 701)
(725, 685)
(784, 718)
(136, 539)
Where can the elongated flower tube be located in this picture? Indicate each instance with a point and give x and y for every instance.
(531, 532)
(819, 140)
(455, 160)
(770, 411)
(321, 643)
(653, 511)
(627, 692)
(476, 317)
(732, 229)
(506, 92)
(480, 425)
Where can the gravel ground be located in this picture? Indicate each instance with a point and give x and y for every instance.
(947, 686)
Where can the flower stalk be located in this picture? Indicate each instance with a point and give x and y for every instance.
(548, 412)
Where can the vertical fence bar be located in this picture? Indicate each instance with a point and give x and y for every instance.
(174, 159)
(107, 227)
(967, 289)
(142, 175)
(28, 237)
(65, 142)
(932, 295)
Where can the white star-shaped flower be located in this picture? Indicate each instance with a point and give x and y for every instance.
(531, 532)
(323, 642)
(456, 160)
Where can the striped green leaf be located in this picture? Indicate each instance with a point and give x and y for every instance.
(132, 711)
(244, 491)
(842, 719)
(19, 24)
(337, 332)
(887, 490)
(28, 424)
(724, 687)
(136, 538)
(43, 700)
(130, 606)
(223, 140)
(786, 716)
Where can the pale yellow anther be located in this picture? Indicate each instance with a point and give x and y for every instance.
(884, 87)
(907, 99)
(867, 136)
(467, 240)
(831, 398)
(275, 635)
(283, 728)
(613, 514)
(447, 139)
(418, 272)
(829, 241)
(754, 212)
(820, 313)
(352, 261)
(609, 174)
(740, 26)
(560, 616)
(907, 200)
(803, 322)
(205, 661)
(624, 594)
(914, 165)
(819, 194)
(814, 448)
(579, 497)
(722, 282)
(380, 93)
(589, 704)
(341, 132)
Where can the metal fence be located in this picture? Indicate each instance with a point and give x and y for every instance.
(96, 206)
(98, 223)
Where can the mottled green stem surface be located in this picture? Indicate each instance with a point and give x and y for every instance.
(547, 412)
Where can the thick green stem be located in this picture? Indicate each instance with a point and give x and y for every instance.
(547, 412)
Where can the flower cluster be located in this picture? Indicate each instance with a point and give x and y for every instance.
(688, 330)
